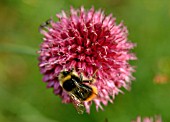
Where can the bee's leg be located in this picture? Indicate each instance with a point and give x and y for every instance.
(89, 81)
(81, 77)
(94, 75)
(92, 79)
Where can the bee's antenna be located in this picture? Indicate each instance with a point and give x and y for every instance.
(72, 69)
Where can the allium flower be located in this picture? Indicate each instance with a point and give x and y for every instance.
(88, 41)
(148, 119)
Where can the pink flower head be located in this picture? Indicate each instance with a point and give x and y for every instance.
(88, 41)
(149, 119)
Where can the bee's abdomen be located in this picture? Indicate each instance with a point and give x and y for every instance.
(84, 92)
(69, 85)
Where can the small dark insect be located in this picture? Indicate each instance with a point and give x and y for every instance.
(45, 24)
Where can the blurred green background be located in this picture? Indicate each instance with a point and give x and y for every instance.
(23, 95)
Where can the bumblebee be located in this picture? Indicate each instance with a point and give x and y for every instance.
(79, 89)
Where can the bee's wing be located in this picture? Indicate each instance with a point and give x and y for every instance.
(79, 106)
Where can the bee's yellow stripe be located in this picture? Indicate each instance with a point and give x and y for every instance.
(66, 78)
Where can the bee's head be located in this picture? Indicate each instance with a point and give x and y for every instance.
(65, 73)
